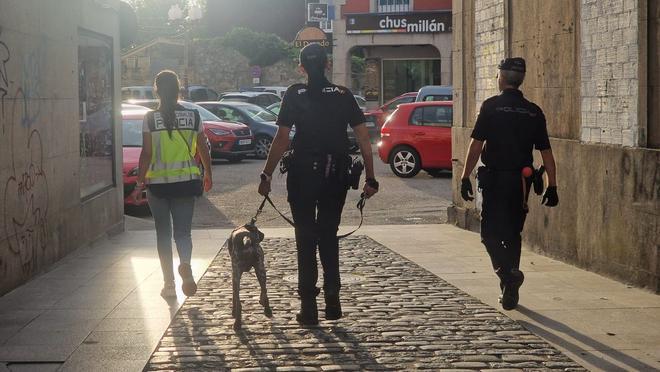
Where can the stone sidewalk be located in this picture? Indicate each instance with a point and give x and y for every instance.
(99, 308)
(398, 316)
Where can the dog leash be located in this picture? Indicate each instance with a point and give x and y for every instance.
(360, 206)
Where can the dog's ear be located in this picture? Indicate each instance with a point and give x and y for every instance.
(260, 235)
(230, 247)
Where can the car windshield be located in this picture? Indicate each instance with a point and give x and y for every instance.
(257, 113)
(132, 132)
(204, 114)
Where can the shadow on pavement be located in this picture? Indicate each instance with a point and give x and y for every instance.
(554, 337)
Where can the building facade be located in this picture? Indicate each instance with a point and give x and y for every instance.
(60, 132)
(403, 44)
(593, 67)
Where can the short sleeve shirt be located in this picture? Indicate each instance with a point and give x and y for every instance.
(512, 128)
(321, 119)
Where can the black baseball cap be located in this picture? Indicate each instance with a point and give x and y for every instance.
(512, 64)
(313, 53)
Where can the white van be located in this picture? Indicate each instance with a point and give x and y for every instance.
(272, 89)
(137, 92)
(435, 93)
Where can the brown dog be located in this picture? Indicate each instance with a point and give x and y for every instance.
(246, 253)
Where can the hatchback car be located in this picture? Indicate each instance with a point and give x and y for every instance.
(227, 140)
(418, 136)
(262, 99)
(261, 121)
(380, 114)
(132, 118)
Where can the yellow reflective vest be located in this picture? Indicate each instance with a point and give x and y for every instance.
(173, 154)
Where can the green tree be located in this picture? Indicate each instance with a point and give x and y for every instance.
(261, 49)
(153, 18)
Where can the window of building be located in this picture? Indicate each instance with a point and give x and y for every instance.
(403, 76)
(393, 6)
(96, 102)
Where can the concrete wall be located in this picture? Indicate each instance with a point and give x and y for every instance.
(211, 64)
(42, 217)
(608, 217)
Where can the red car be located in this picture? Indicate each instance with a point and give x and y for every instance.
(380, 114)
(418, 136)
(132, 118)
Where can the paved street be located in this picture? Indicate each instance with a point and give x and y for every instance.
(398, 316)
(233, 200)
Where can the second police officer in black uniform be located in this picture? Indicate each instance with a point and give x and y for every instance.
(508, 128)
(317, 180)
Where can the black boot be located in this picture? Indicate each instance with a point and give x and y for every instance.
(332, 306)
(308, 315)
(510, 294)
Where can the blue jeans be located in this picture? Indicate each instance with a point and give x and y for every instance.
(181, 212)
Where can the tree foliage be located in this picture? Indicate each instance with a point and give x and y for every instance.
(261, 49)
(153, 20)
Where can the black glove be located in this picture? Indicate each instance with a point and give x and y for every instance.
(550, 198)
(466, 189)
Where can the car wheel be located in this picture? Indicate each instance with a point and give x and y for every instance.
(262, 147)
(405, 162)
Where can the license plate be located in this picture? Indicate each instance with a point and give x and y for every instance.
(245, 141)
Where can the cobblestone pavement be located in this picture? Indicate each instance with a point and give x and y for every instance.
(398, 316)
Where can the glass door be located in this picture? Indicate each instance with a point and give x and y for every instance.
(402, 76)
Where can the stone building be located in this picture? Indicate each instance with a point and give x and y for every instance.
(593, 67)
(406, 44)
(60, 135)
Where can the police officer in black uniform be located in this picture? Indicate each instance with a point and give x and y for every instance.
(317, 180)
(508, 128)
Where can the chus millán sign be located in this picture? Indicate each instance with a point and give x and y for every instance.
(426, 22)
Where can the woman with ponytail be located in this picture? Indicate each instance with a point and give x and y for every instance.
(317, 179)
(171, 138)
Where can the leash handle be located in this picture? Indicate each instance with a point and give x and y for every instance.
(360, 206)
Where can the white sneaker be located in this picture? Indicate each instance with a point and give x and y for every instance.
(169, 290)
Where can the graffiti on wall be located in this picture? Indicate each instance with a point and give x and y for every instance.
(25, 193)
(4, 78)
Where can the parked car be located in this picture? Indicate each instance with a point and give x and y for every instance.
(418, 136)
(380, 114)
(261, 121)
(435, 93)
(269, 89)
(137, 92)
(227, 140)
(198, 93)
(361, 101)
(262, 99)
(148, 103)
(132, 118)
(275, 108)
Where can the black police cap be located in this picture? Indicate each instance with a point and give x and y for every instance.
(512, 64)
(313, 53)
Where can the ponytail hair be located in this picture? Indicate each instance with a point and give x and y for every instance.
(167, 86)
(314, 60)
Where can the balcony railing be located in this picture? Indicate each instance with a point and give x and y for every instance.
(393, 6)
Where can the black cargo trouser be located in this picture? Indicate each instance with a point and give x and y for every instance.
(503, 215)
(316, 194)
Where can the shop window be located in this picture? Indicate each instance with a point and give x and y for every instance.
(393, 6)
(96, 102)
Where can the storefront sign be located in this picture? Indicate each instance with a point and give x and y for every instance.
(310, 35)
(423, 22)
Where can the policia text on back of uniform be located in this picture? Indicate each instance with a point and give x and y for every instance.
(317, 180)
(508, 128)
